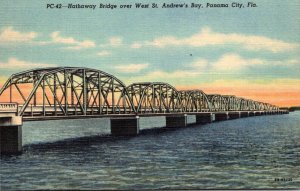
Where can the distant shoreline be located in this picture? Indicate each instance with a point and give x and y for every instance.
(293, 108)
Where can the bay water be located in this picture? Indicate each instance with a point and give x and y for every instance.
(250, 153)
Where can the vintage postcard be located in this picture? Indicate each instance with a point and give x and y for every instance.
(149, 95)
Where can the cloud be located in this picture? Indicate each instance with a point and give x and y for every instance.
(104, 53)
(113, 42)
(165, 76)
(251, 85)
(9, 35)
(174, 74)
(226, 64)
(136, 45)
(15, 64)
(200, 64)
(207, 37)
(291, 62)
(234, 62)
(131, 68)
(72, 43)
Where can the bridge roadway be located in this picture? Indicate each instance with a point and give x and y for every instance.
(78, 93)
(230, 114)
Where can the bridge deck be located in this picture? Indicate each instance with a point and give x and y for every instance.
(63, 117)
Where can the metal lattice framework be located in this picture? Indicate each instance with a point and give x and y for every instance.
(194, 101)
(218, 102)
(232, 102)
(68, 91)
(245, 105)
(252, 105)
(64, 91)
(154, 97)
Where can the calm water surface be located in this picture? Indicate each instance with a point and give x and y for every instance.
(237, 154)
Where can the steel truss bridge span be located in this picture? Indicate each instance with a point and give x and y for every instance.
(76, 91)
(67, 91)
(156, 97)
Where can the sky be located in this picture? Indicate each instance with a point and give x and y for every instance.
(247, 52)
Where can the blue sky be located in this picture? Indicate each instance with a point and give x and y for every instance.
(188, 48)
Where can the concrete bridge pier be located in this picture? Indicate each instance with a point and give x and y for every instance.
(125, 126)
(251, 113)
(234, 115)
(222, 116)
(11, 135)
(191, 119)
(244, 114)
(257, 113)
(174, 121)
(203, 118)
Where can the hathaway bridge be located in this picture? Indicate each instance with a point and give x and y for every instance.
(75, 92)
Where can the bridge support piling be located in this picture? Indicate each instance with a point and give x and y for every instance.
(11, 135)
(222, 116)
(203, 118)
(129, 126)
(244, 114)
(191, 119)
(234, 115)
(176, 121)
(251, 114)
(257, 113)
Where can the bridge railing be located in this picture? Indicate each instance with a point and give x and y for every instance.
(8, 108)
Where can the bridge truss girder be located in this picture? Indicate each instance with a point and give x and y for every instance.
(154, 97)
(68, 91)
(194, 101)
(218, 102)
(84, 91)
(232, 103)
